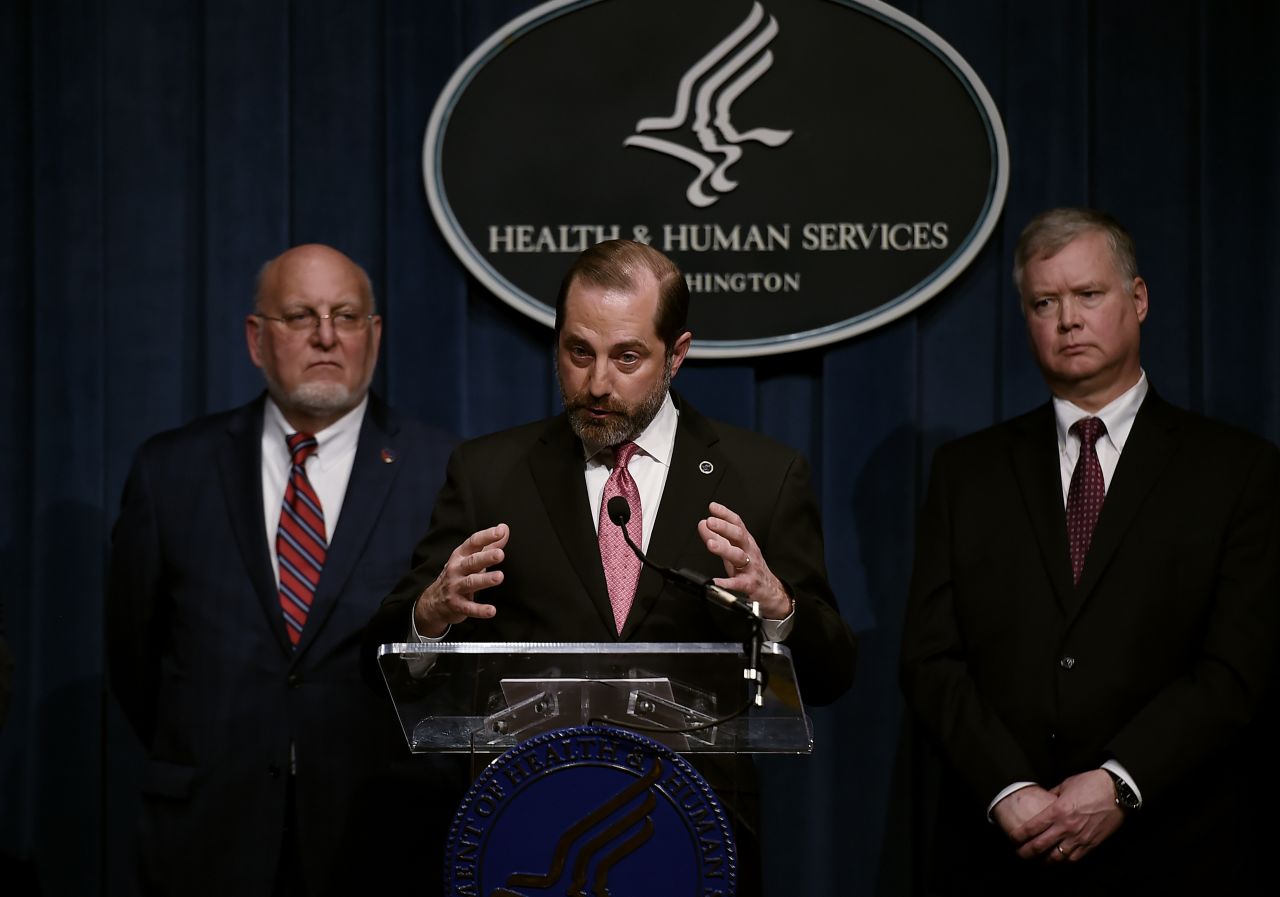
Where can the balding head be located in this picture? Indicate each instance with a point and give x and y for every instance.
(314, 334)
(299, 258)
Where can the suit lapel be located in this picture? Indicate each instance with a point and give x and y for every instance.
(1035, 464)
(685, 497)
(373, 472)
(1147, 451)
(240, 468)
(556, 465)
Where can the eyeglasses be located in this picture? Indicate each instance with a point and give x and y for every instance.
(308, 319)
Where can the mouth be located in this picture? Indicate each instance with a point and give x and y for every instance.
(596, 412)
(323, 372)
(594, 417)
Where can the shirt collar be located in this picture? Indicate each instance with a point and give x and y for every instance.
(1118, 415)
(657, 440)
(332, 442)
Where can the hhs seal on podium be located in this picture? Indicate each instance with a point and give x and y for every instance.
(590, 811)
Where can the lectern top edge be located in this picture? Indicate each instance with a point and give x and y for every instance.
(614, 648)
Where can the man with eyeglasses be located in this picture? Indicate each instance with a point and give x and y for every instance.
(251, 548)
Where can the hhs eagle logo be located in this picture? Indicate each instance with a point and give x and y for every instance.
(720, 78)
(590, 811)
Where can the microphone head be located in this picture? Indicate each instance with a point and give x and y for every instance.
(619, 510)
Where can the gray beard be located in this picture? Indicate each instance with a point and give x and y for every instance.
(626, 426)
(316, 399)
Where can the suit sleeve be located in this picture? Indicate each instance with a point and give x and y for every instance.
(134, 607)
(452, 522)
(934, 664)
(1205, 710)
(823, 646)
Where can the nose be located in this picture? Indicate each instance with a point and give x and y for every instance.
(600, 381)
(325, 334)
(1068, 314)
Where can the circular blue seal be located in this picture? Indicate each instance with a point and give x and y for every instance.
(589, 811)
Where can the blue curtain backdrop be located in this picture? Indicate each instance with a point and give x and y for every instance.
(154, 153)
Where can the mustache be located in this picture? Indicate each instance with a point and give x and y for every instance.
(587, 404)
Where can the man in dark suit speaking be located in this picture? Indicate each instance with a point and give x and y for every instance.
(521, 549)
(1093, 612)
(251, 548)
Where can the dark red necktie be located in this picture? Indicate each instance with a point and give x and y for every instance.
(621, 566)
(301, 543)
(1086, 493)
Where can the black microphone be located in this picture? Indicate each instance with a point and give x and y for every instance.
(620, 513)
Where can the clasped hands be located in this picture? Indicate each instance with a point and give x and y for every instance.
(1064, 823)
(450, 598)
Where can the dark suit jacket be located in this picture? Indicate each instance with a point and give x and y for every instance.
(1159, 657)
(531, 478)
(201, 664)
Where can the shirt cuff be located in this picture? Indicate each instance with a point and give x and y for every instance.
(1005, 792)
(420, 666)
(778, 630)
(417, 639)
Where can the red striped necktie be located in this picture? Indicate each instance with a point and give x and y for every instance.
(301, 543)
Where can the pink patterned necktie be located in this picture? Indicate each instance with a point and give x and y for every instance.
(1086, 493)
(621, 566)
(301, 543)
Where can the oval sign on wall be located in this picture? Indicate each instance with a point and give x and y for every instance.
(816, 167)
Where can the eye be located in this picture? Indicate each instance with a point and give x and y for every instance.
(298, 318)
(346, 316)
(1042, 305)
(579, 352)
(628, 358)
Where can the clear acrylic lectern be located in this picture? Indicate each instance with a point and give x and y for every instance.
(487, 697)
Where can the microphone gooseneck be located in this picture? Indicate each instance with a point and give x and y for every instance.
(619, 512)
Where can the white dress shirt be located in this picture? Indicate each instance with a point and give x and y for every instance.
(648, 467)
(1117, 416)
(328, 468)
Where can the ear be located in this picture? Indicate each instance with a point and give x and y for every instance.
(253, 336)
(1140, 298)
(680, 351)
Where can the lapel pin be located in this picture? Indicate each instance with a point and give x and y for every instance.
(388, 456)
(706, 466)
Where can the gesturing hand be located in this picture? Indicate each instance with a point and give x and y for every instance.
(727, 537)
(448, 600)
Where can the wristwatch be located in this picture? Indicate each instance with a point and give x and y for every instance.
(1125, 797)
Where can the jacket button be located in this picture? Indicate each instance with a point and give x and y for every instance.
(1067, 663)
(294, 680)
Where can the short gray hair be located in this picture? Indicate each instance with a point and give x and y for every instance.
(1049, 232)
